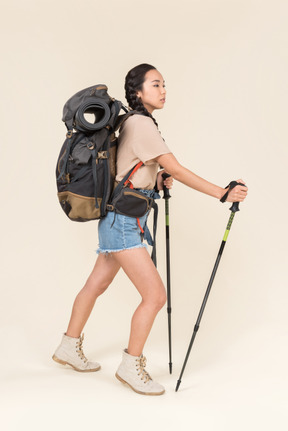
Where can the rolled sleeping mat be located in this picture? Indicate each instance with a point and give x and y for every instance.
(99, 109)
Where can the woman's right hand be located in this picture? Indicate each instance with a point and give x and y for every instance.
(238, 194)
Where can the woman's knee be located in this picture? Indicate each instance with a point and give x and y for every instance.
(97, 286)
(156, 300)
(162, 299)
(102, 275)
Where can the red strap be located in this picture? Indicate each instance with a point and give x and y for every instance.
(138, 221)
(133, 172)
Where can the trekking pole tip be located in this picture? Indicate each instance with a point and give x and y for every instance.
(177, 386)
(170, 367)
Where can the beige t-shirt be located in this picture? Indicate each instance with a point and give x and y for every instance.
(139, 140)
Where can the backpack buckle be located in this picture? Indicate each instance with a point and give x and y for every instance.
(110, 207)
(102, 155)
(69, 134)
(90, 146)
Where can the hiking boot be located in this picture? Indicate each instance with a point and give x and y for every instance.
(132, 372)
(70, 352)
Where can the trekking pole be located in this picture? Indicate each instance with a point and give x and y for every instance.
(234, 208)
(167, 196)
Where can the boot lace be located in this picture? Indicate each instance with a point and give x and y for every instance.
(80, 352)
(141, 364)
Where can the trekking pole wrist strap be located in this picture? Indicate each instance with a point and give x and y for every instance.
(230, 187)
(235, 206)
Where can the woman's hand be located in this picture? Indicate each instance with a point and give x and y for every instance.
(160, 182)
(238, 194)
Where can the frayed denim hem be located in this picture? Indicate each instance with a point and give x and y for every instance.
(103, 251)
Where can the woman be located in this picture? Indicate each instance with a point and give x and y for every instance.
(120, 237)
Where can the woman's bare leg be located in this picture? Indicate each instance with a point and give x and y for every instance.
(139, 267)
(104, 271)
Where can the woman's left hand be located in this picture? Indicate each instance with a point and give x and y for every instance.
(160, 181)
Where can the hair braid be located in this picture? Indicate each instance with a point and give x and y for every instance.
(133, 83)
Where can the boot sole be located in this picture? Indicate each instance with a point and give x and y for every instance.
(135, 390)
(76, 369)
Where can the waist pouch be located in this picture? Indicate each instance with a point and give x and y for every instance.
(131, 203)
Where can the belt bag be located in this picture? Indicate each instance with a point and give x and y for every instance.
(132, 203)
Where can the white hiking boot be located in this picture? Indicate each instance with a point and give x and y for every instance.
(70, 352)
(132, 372)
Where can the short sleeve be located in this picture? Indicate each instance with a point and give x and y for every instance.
(147, 141)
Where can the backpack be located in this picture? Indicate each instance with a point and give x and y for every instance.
(86, 166)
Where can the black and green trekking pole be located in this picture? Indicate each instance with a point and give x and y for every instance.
(234, 208)
(167, 196)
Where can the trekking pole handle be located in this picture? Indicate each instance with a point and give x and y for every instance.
(165, 190)
(235, 206)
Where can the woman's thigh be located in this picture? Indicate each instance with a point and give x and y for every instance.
(138, 266)
(103, 273)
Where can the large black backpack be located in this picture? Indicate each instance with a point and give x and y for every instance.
(86, 165)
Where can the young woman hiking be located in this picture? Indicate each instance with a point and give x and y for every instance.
(120, 237)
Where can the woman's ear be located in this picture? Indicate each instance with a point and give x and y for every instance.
(138, 94)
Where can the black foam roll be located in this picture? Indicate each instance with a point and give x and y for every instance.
(101, 112)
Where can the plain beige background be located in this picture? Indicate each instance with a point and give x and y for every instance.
(225, 64)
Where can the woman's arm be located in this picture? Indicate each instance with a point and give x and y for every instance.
(182, 174)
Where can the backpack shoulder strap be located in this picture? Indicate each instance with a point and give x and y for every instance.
(123, 117)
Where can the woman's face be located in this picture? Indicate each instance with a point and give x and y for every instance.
(153, 93)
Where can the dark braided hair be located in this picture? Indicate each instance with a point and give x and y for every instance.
(133, 83)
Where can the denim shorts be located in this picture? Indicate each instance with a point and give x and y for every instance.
(117, 232)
